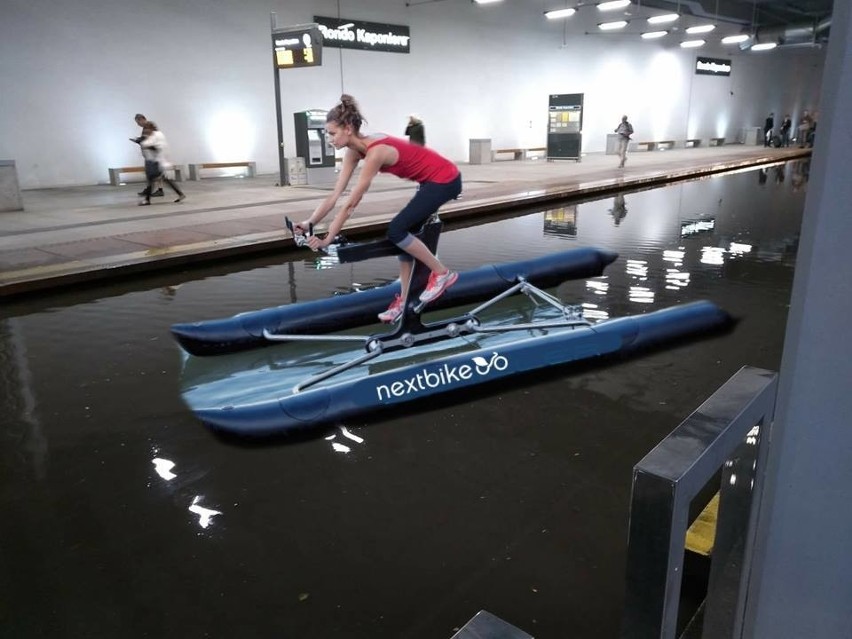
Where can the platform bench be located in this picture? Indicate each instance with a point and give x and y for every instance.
(656, 145)
(115, 173)
(518, 154)
(717, 141)
(689, 144)
(195, 169)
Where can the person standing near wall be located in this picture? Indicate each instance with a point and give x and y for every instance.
(786, 125)
(804, 129)
(415, 131)
(624, 130)
(768, 126)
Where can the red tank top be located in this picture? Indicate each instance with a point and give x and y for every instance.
(417, 163)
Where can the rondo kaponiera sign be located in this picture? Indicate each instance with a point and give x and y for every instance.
(367, 36)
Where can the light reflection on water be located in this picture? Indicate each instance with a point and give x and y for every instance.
(459, 501)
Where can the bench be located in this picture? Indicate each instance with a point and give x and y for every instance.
(656, 145)
(717, 141)
(689, 144)
(115, 173)
(195, 169)
(518, 154)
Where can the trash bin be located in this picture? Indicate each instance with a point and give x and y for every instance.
(480, 151)
(753, 135)
(612, 143)
(10, 192)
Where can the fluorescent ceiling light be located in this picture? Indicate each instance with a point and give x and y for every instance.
(612, 5)
(667, 17)
(559, 13)
(650, 35)
(691, 44)
(703, 28)
(735, 39)
(485, 1)
(763, 46)
(609, 26)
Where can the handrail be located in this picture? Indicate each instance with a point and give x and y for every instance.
(728, 434)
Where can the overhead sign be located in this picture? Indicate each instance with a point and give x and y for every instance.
(297, 46)
(366, 36)
(712, 66)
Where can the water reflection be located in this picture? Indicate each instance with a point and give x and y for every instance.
(561, 221)
(696, 227)
(205, 515)
(163, 467)
(619, 209)
(801, 173)
(339, 447)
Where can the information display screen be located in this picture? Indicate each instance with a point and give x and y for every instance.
(297, 47)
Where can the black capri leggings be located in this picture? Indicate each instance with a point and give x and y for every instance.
(429, 198)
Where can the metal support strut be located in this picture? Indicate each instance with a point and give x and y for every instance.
(410, 330)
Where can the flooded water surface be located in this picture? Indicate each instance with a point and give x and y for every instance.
(122, 516)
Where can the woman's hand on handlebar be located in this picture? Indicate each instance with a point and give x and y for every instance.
(302, 227)
(316, 243)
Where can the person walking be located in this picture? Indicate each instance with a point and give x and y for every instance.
(439, 182)
(141, 121)
(624, 130)
(415, 131)
(154, 148)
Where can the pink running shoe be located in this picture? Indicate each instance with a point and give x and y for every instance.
(394, 311)
(438, 283)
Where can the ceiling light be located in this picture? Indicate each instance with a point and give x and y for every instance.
(703, 28)
(691, 44)
(609, 26)
(559, 13)
(650, 35)
(735, 39)
(613, 5)
(485, 1)
(763, 46)
(667, 17)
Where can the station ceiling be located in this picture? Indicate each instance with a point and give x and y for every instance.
(751, 13)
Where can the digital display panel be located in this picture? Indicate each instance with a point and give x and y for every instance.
(297, 47)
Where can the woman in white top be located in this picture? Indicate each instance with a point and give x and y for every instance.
(154, 147)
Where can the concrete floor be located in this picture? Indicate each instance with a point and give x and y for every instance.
(73, 234)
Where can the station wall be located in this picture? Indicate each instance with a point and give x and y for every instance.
(74, 74)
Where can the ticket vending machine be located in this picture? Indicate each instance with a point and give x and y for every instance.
(565, 126)
(313, 147)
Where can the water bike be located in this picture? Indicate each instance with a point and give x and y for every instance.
(320, 372)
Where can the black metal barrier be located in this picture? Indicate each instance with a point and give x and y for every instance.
(725, 441)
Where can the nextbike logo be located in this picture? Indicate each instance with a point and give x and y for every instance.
(444, 375)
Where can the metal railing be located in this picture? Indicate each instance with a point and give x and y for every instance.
(726, 441)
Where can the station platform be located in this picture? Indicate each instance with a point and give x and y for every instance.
(65, 236)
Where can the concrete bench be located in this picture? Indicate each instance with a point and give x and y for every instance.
(195, 169)
(115, 173)
(518, 154)
(716, 141)
(656, 145)
(689, 144)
